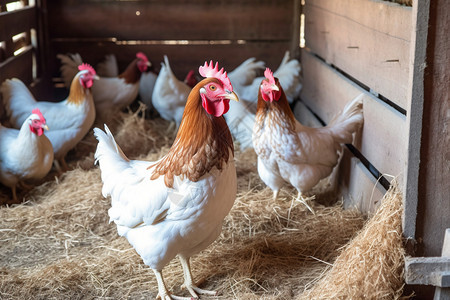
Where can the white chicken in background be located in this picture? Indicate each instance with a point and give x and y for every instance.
(290, 152)
(69, 119)
(176, 205)
(110, 93)
(109, 68)
(26, 153)
(169, 94)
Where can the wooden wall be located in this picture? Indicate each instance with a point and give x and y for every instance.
(353, 47)
(189, 32)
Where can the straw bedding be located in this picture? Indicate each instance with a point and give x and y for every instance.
(58, 243)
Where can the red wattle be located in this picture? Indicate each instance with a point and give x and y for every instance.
(86, 84)
(215, 108)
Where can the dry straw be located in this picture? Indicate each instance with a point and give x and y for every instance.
(59, 244)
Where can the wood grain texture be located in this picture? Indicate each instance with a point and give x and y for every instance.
(384, 135)
(172, 20)
(369, 40)
(182, 57)
(434, 171)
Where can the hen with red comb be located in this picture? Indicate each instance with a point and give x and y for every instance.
(25, 153)
(111, 93)
(176, 205)
(69, 119)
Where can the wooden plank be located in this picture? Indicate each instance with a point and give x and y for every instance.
(361, 189)
(18, 66)
(172, 20)
(182, 57)
(383, 140)
(18, 21)
(434, 164)
(369, 40)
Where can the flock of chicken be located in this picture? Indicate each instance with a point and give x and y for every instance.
(174, 206)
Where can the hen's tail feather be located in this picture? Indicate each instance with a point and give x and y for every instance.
(246, 71)
(289, 75)
(106, 145)
(108, 67)
(349, 121)
(69, 66)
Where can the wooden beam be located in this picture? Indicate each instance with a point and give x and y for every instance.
(172, 20)
(182, 57)
(434, 168)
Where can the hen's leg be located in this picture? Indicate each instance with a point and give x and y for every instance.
(188, 282)
(305, 201)
(163, 293)
(14, 194)
(275, 194)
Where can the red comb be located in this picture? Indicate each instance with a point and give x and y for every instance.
(88, 67)
(142, 56)
(269, 75)
(213, 71)
(38, 112)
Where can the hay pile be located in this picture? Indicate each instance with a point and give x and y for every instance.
(59, 245)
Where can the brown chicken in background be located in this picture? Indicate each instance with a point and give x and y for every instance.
(290, 152)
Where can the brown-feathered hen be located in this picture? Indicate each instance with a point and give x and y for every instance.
(290, 152)
(175, 206)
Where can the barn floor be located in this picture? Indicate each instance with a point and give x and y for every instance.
(58, 244)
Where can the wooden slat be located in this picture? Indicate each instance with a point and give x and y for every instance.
(15, 22)
(19, 66)
(359, 186)
(384, 136)
(182, 57)
(172, 20)
(369, 40)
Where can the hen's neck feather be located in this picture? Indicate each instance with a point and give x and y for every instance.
(202, 143)
(77, 94)
(131, 74)
(280, 108)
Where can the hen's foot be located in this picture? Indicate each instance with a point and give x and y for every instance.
(194, 290)
(304, 200)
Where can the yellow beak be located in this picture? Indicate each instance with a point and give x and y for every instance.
(149, 64)
(45, 127)
(96, 77)
(275, 87)
(231, 96)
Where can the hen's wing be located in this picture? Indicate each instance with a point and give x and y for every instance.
(113, 92)
(108, 67)
(146, 86)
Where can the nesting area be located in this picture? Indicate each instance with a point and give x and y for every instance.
(58, 244)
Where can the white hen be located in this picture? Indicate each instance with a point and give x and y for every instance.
(175, 206)
(69, 119)
(169, 94)
(26, 153)
(109, 68)
(109, 93)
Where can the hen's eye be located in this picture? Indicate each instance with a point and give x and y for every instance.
(212, 87)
